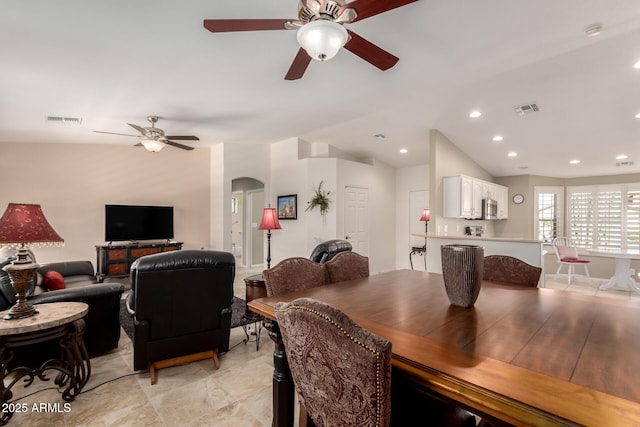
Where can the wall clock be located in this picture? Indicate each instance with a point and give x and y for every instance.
(518, 198)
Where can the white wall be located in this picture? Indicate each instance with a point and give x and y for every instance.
(73, 182)
(379, 179)
(409, 179)
(228, 162)
(291, 174)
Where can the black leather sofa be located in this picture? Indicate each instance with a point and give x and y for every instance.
(326, 250)
(102, 321)
(181, 304)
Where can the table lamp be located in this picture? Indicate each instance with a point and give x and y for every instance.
(269, 222)
(426, 216)
(23, 226)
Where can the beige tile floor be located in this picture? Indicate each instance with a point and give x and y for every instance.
(196, 394)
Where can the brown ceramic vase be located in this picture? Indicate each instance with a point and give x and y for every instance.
(462, 268)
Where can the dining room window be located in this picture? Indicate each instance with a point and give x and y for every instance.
(549, 213)
(606, 216)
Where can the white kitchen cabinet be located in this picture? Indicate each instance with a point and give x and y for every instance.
(462, 196)
(502, 196)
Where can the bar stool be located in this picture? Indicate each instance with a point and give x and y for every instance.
(418, 250)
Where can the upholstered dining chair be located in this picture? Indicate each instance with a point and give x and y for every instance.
(293, 274)
(567, 254)
(347, 266)
(359, 390)
(333, 389)
(510, 270)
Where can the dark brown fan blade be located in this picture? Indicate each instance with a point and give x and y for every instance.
(371, 53)
(369, 8)
(228, 25)
(298, 66)
(183, 137)
(113, 133)
(177, 145)
(138, 128)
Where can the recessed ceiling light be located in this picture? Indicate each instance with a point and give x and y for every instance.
(622, 157)
(512, 154)
(637, 65)
(498, 138)
(475, 114)
(404, 150)
(574, 161)
(638, 116)
(593, 29)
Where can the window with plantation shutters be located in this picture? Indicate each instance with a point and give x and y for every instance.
(549, 212)
(632, 202)
(580, 217)
(608, 218)
(604, 216)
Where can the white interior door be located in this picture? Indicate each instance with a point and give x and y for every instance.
(237, 224)
(255, 251)
(356, 221)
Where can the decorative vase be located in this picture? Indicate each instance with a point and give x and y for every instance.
(462, 268)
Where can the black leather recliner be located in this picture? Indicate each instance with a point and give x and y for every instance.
(181, 304)
(328, 249)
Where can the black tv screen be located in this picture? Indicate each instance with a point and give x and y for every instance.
(129, 222)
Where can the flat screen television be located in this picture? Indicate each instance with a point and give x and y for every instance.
(130, 222)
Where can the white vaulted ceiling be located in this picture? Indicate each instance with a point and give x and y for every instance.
(116, 62)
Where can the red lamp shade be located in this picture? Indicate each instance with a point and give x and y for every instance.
(269, 220)
(25, 224)
(425, 215)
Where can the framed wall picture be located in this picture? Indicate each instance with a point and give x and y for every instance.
(288, 207)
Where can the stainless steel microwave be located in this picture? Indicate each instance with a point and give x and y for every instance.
(489, 209)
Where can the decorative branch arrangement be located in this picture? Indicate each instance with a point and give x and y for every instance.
(321, 199)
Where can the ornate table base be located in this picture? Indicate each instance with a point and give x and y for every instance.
(74, 368)
(283, 388)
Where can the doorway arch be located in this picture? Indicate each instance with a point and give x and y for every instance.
(247, 202)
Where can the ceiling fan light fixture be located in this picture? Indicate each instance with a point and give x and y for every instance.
(322, 39)
(152, 145)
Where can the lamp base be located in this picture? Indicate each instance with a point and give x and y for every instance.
(20, 310)
(21, 272)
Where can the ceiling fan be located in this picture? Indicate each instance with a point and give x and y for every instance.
(325, 18)
(154, 139)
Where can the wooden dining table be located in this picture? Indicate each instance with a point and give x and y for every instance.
(525, 356)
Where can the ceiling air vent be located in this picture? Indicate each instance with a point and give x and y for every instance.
(527, 109)
(64, 120)
(628, 163)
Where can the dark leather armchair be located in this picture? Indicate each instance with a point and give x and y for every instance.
(181, 305)
(327, 250)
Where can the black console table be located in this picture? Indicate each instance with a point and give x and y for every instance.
(116, 260)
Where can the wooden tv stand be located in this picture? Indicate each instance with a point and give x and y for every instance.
(115, 260)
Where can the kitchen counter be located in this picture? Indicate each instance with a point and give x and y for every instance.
(488, 238)
(529, 251)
